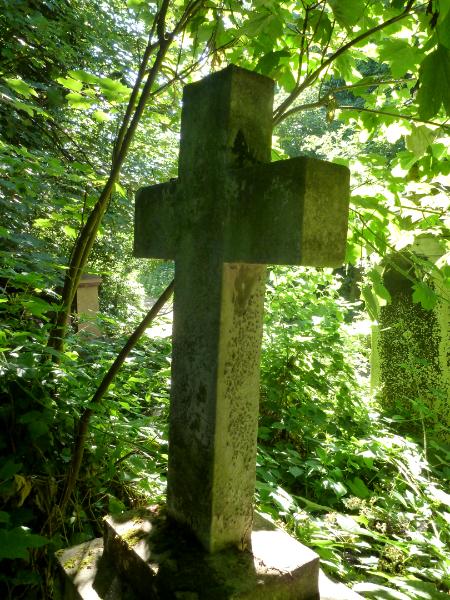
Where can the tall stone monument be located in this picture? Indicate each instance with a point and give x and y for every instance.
(229, 213)
(411, 348)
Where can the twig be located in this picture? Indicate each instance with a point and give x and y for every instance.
(395, 115)
(311, 78)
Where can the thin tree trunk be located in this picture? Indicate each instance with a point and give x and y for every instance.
(83, 424)
(86, 239)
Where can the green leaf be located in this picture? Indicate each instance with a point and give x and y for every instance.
(358, 488)
(420, 589)
(443, 30)
(344, 66)
(347, 12)
(400, 55)
(37, 307)
(296, 471)
(43, 223)
(136, 4)
(115, 505)
(28, 108)
(120, 190)
(372, 304)
(286, 79)
(379, 288)
(424, 295)
(270, 61)
(70, 232)
(434, 88)
(84, 76)
(9, 469)
(72, 84)
(79, 101)
(100, 116)
(19, 86)
(338, 488)
(282, 498)
(113, 90)
(14, 543)
(320, 25)
(420, 139)
(255, 24)
(348, 523)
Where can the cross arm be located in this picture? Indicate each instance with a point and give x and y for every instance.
(155, 221)
(289, 212)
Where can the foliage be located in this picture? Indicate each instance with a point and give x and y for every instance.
(127, 440)
(330, 465)
(155, 275)
(90, 97)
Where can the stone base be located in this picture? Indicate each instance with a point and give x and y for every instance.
(87, 574)
(146, 556)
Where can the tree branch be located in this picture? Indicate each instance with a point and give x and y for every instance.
(324, 100)
(85, 242)
(311, 78)
(395, 115)
(83, 424)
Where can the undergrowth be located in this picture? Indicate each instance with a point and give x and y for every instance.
(331, 468)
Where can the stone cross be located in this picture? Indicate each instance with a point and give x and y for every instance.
(228, 214)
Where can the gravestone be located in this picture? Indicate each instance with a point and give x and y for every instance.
(410, 361)
(229, 214)
(86, 304)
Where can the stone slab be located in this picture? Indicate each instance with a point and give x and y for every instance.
(163, 561)
(87, 305)
(410, 357)
(87, 575)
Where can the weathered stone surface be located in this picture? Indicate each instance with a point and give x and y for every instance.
(289, 212)
(411, 348)
(228, 214)
(165, 563)
(86, 574)
(163, 560)
(86, 301)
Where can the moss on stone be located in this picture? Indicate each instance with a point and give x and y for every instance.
(411, 361)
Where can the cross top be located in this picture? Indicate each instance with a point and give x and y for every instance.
(229, 213)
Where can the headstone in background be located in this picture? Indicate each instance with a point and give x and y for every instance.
(86, 304)
(411, 349)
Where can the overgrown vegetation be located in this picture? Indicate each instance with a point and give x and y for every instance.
(90, 98)
(331, 465)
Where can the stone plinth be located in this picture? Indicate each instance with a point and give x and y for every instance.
(145, 557)
(411, 348)
(86, 303)
(160, 558)
(88, 575)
